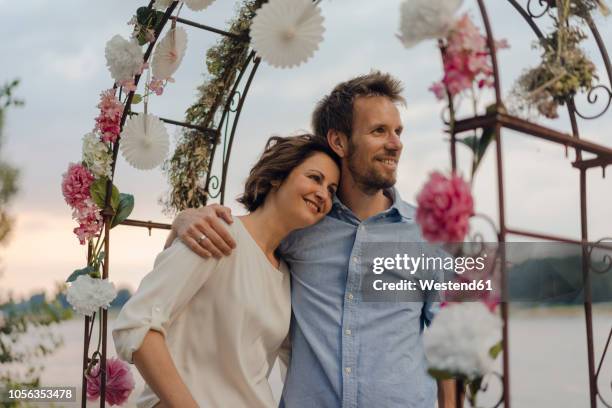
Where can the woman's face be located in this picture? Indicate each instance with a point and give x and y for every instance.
(306, 194)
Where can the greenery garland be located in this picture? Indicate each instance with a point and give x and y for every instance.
(190, 163)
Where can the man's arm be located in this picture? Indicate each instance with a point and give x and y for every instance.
(447, 393)
(193, 223)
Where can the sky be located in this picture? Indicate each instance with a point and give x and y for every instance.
(57, 50)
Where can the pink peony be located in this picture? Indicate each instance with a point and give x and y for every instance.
(89, 217)
(119, 382)
(75, 184)
(108, 123)
(445, 206)
(466, 59)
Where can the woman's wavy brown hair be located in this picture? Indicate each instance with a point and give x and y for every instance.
(281, 155)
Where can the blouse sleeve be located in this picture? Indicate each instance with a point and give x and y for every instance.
(284, 357)
(177, 275)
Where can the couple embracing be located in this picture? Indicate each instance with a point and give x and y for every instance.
(233, 294)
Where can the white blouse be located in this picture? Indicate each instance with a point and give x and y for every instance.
(224, 321)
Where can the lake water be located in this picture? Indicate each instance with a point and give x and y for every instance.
(547, 351)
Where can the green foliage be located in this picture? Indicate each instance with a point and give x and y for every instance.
(98, 193)
(136, 99)
(495, 350)
(145, 22)
(83, 271)
(440, 374)
(190, 162)
(478, 145)
(27, 336)
(8, 173)
(126, 205)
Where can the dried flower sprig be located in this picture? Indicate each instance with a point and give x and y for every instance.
(564, 71)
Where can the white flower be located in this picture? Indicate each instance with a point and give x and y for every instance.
(144, 141)
(169, 53)
(460, 338)
(286, 33)
(87, 294)
(425, 19)
(124, 59)
(198, 5)
(97, 156)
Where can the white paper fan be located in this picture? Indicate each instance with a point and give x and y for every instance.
(144, 145)
(286, 33)
(169, 53)
(198, 5)
(425, 19)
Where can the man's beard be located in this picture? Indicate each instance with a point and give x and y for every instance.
(368, 179)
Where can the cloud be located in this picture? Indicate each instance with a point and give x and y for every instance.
(81, 66)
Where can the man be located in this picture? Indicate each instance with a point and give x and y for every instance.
(347, 352)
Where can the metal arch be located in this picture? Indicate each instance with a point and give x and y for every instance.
(107, 217)
(235, 125)
(213, 181)
(543, 3)
(499, 120)
(501, 205)
(607, 403)
(528, 15)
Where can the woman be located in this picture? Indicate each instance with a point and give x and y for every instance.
(206, 332)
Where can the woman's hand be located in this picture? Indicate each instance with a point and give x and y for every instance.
(155, 364)
(192, 224)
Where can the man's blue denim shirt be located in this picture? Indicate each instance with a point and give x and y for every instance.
(346, 352)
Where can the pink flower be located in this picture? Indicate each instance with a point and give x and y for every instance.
(108, 122)
(75, 184)
(119, 382)
(466, 59)
(445, 206)
(157, 86)
(438, 89)
(89, 217)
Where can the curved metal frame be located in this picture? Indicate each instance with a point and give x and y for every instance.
(227, 125)
(500, 120)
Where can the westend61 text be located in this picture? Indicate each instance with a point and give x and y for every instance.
(429, 285)
(412, 264)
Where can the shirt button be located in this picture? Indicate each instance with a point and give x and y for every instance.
(347, 332)
(348, 370)
(157, 309)
(350, 296)
(356, 259)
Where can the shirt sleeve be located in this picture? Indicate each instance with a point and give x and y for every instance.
(177, 275)
(284, 357)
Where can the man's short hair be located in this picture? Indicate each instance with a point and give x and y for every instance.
(335, 111)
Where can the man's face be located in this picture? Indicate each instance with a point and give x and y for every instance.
(374, 147)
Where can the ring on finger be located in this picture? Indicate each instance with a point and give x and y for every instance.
(201, 238)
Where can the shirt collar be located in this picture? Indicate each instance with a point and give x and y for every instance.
(405, 210)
